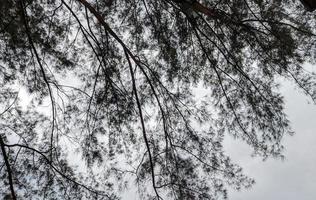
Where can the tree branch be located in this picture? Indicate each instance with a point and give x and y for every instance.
(9, 171)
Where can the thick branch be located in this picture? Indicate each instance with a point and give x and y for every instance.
(9, 171)
(143, 126)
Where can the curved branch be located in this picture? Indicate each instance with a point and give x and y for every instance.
(7, 164)
(55, 168)
(143, 126)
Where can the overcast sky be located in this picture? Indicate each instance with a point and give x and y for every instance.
(295, 177)
(291, 179)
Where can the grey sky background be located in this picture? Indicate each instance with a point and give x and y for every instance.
(293, 178)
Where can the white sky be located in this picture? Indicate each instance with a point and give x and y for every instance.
(291, 179)
(295, 177)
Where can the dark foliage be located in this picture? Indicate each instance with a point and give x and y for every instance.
(112, 88)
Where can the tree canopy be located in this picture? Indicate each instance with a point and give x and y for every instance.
(113, 102)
